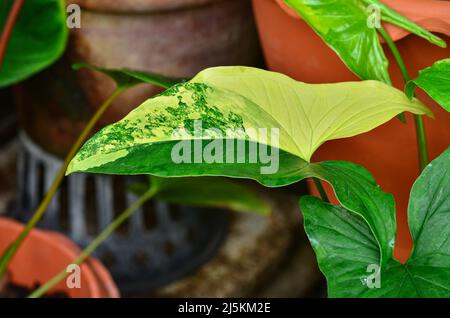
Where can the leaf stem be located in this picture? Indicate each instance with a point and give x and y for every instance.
(321, 190)
(12, 249)
(8, 28)
(97, 241)
(418, 120)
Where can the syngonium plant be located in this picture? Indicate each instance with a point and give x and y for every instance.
(354, 186)
(348, 238)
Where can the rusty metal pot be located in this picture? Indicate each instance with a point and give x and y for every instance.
(172, 37)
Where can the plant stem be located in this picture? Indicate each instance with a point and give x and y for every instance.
(321, 190)
(9, 26)
(96, 242)
(418, 120)
(421, 142)
(12, 249)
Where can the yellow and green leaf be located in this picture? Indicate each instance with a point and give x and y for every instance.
(242, 100)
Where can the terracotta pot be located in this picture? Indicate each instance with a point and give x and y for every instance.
(44, 254)
(390, 151)
(172, 37)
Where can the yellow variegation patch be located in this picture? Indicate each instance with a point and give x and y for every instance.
(314, 113)
(223, 98)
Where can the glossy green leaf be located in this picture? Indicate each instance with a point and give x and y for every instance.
(358, 192)
(393, 17)
(127, 78)
(348, 252)
(343, 25)
(204, 191)
(38, 39)
(435, 80)
(429, 223)
(211, 192)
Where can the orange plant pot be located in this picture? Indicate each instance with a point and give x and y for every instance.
(390, 152)
(44, 254)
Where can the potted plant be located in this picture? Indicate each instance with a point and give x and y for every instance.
(354, 241)
(295, 44)
(41, 257)
(248, 123)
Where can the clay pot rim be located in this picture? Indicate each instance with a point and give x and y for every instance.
(144, 6)
(417, 11)
(100, 281)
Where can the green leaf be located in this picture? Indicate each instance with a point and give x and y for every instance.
(243, 100)
(127, 78)
(393, 17)
(435, 80)
(343, 25)
(205, 191)
(429, 222)
(210, 192)
(345, 244)
(357, 191)
(38, 39)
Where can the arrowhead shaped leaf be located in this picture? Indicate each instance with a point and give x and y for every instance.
(205, 191)
(346, 246)
(435, 80)
(241, 99)
(211, 192)
(343, 25)
(38, 39)
(313, 113)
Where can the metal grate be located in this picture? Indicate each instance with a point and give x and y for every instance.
(158, 244)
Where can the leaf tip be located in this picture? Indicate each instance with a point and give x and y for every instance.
(441, 43)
